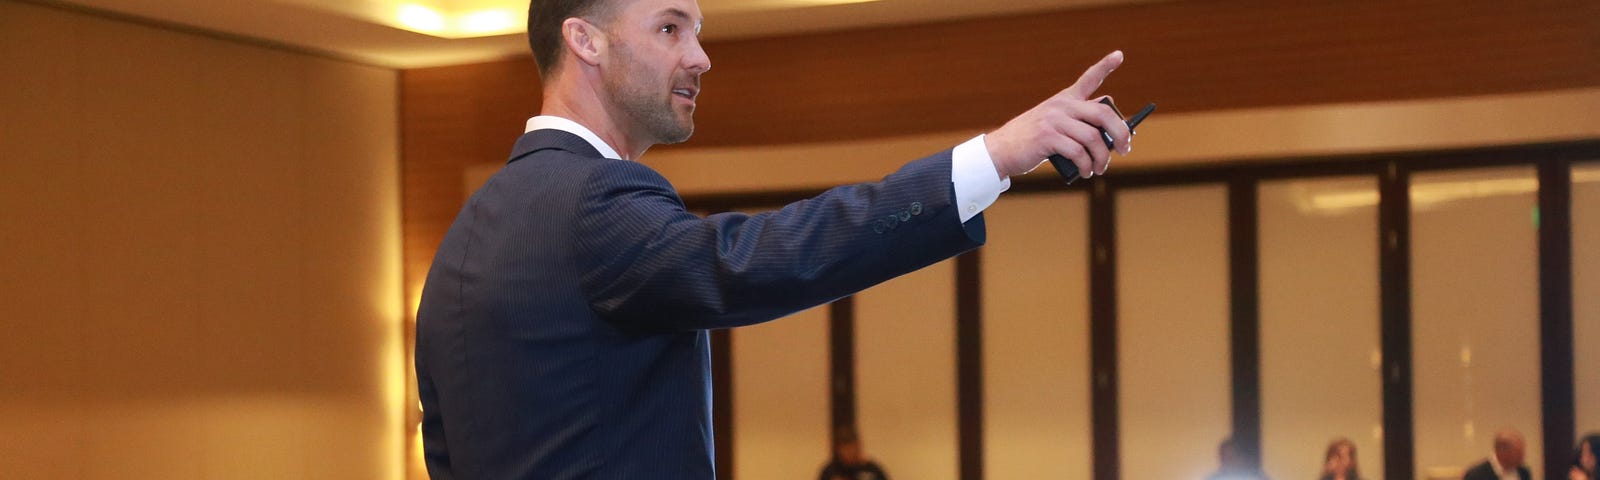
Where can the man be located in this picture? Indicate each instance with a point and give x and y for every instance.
(1505, 462)
(848, 462)
(563, 327)
(1232, 464)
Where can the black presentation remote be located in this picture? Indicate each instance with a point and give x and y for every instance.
(1068, 170)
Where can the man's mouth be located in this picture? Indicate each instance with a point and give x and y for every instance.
(686, 92)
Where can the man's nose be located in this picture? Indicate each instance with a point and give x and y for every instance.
(697, 60)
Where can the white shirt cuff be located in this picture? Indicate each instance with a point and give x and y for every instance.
(977, 183)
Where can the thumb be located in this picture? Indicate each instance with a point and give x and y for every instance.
(1094, 76)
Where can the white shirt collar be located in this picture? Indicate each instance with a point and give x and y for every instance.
(1502, 472)
(553, 122)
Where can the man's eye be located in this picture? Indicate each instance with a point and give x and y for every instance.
(669, 29)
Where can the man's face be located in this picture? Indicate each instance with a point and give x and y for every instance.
(652, 72)
(1510, 456)
(1586, 457)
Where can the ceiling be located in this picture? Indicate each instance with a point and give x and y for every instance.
(424, 33)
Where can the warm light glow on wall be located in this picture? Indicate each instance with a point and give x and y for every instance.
(446, 23)
(419, 18)
(831, 2)
(763, 4)
(416, 463)
(1426, 196)
(487, 22)
(730, 6)
(413, 303)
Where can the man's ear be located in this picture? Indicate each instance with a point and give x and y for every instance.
(585, 40)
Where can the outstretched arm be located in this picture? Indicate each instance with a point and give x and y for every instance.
(659, 267)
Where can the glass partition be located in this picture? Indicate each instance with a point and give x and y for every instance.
(1172, 330)
(780, 397)
(906, 373)
(1586, 294)
(1475, 314)
(1320, 348)
(1036, 338)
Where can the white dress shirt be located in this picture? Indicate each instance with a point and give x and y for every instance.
(1503, 473)
(972, 172)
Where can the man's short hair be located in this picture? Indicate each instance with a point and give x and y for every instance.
(544, 27)
(1507, 439)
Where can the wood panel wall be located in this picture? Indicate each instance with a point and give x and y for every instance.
(1187, 55)
(200, 257)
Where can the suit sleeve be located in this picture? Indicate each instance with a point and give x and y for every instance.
(655, 266)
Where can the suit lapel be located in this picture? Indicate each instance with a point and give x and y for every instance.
(551, 139)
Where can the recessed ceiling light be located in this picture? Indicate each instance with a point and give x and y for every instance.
(488, 22)
(446, 23)
(421, 19)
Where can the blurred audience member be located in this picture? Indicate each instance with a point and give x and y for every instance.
(1339, 463)
(1584, 460)
(1232, 464)
(1505, 462)
(848, 462)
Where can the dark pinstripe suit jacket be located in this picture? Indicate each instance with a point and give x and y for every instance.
(563, 327)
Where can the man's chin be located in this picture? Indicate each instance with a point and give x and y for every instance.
(665, 130)
(678, 137)
(679, 133)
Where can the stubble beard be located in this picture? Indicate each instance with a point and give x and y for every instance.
(650, 107)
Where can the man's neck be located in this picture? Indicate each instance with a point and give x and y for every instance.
(576, 101)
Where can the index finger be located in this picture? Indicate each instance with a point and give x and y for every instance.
(1094, 76)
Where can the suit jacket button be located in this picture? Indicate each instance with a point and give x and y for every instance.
(916, 208)
(905, 215)
(893, 221)
(880, 226)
